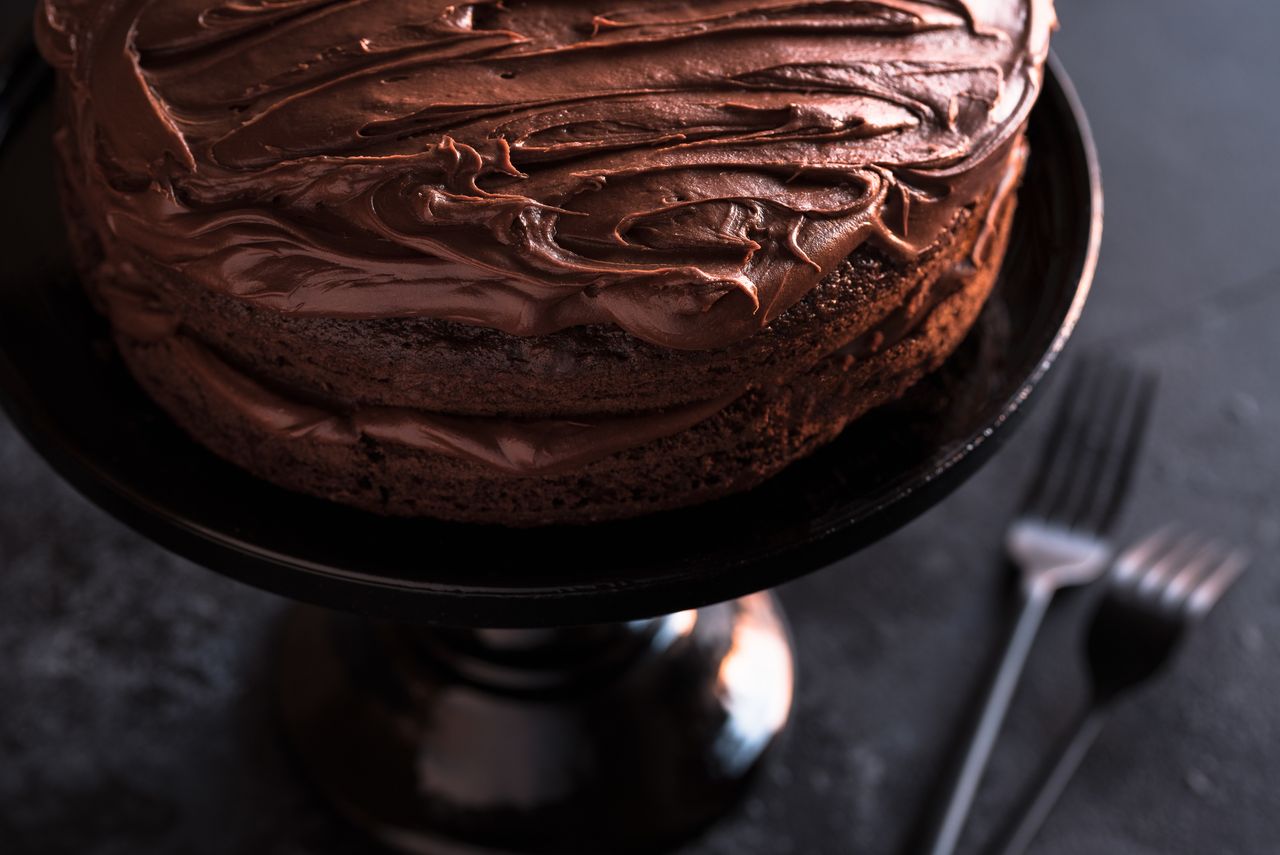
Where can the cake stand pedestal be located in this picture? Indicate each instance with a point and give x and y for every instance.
(605, 688)
(614, 738)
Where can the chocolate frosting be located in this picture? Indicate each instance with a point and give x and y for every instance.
(684, 170)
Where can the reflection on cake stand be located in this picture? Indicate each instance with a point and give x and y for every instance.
(611, 738)
(606, 688)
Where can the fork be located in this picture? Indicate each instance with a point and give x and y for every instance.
(1156, 592)
(1059, 540)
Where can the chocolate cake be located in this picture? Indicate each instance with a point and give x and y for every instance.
(537, 261)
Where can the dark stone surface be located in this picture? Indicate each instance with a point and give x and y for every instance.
(133, 703)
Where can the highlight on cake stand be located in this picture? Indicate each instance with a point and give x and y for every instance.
(604, 688)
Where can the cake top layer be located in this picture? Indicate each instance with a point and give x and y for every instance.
(684, 170)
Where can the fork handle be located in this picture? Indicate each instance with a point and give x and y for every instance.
(1054, 778)
(963, 785)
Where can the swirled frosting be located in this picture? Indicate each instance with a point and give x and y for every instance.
(684, 170)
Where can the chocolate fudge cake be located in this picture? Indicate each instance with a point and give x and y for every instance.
(537, 261)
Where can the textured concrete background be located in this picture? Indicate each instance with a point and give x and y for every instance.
(133, 711)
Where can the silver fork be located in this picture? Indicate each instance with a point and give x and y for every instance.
(1156, 592)
(1059, 540)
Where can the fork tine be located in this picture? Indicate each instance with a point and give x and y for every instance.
(1097, 446)
(1130, 564)
(1089, 456)
(1075, 448)
(1208, 592)
(1194, 571)
(1128, 450)
(1053, 454)
(1156, 577)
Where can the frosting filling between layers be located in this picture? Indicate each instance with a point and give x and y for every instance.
(518, 447)
(684, 170)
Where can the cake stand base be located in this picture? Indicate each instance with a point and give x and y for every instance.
(617, 738)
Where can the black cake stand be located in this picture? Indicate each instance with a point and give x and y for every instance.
(467, 689)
